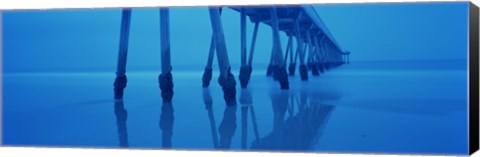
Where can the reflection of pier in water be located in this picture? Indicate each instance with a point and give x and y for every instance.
(121, 115)
(166, 123)
(227, 126)
(295, 131)
(291, 130)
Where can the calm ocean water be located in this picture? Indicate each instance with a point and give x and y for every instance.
(383, 107)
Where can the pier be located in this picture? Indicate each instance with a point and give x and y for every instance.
(310, 46)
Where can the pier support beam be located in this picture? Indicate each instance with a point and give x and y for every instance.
(348, 58)
(227, 127)
(121, 79)
(327, 59)
(291, 66)
(271, 67)
(226, 78)
(165, 79)
(300, 50)
(245, 69)
(291, 69)
(311, 54)
(319, 54)
(207, 74)
(287, 51)
(281, 72)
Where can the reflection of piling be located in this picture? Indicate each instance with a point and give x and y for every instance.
(279, 105)
(246, 101)
(287, 51)
(243, 142)
(207, 99)
(325, 53)
(301, 47)
(254, 122)
(166, 124)
(121, 115)
(227, 127)
(311, 54)
(318, 53)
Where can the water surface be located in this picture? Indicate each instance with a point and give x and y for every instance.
(361, 107)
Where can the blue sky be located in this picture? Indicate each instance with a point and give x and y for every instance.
(402, 31)
(88, 38)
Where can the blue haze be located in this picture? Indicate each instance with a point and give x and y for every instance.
(399, 31)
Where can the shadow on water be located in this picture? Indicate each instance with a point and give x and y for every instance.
(121, 115)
